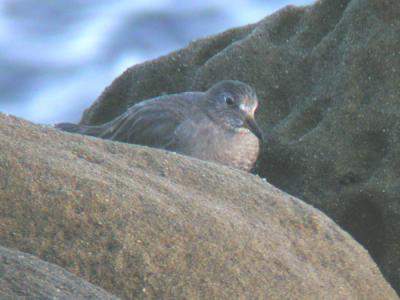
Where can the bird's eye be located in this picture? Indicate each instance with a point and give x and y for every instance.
(228, 100)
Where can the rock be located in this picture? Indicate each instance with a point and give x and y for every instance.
(146, 223)
(24, 275)
(327, 77)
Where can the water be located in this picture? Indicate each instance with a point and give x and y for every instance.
(57, 56)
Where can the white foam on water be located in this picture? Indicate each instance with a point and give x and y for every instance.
(67, 67)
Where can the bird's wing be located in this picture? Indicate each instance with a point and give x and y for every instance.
(151, 123)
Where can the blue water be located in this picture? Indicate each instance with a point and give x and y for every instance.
(56, 57)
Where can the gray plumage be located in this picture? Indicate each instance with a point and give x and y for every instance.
(217, 125)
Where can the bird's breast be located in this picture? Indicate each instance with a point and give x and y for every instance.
(211, 142)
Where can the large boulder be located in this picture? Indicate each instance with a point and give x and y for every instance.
(328, 79)
(145, 223)
(28, 277)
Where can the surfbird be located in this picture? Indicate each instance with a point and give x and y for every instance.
(217, 125)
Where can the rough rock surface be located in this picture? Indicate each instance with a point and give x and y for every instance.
(28, 277)
(145, 223)
(328, 79)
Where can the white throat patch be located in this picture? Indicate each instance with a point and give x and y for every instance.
(246, 108)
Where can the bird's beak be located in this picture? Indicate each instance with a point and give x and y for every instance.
(251, 124)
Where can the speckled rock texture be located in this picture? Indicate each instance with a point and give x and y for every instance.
(328, 79)
(23, 276)
(144, 223)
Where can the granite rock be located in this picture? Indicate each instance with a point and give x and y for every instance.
(144, 223)
(23, 276)
(328, 79)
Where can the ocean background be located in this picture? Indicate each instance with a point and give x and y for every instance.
(57, 57)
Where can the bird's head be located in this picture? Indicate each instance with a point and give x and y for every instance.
(232, 104)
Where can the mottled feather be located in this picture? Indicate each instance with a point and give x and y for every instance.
(198, 124)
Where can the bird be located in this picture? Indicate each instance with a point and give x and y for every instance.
(216, 125)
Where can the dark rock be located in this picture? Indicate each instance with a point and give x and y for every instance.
(328, 79)
(146, 223)
(28, 277)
